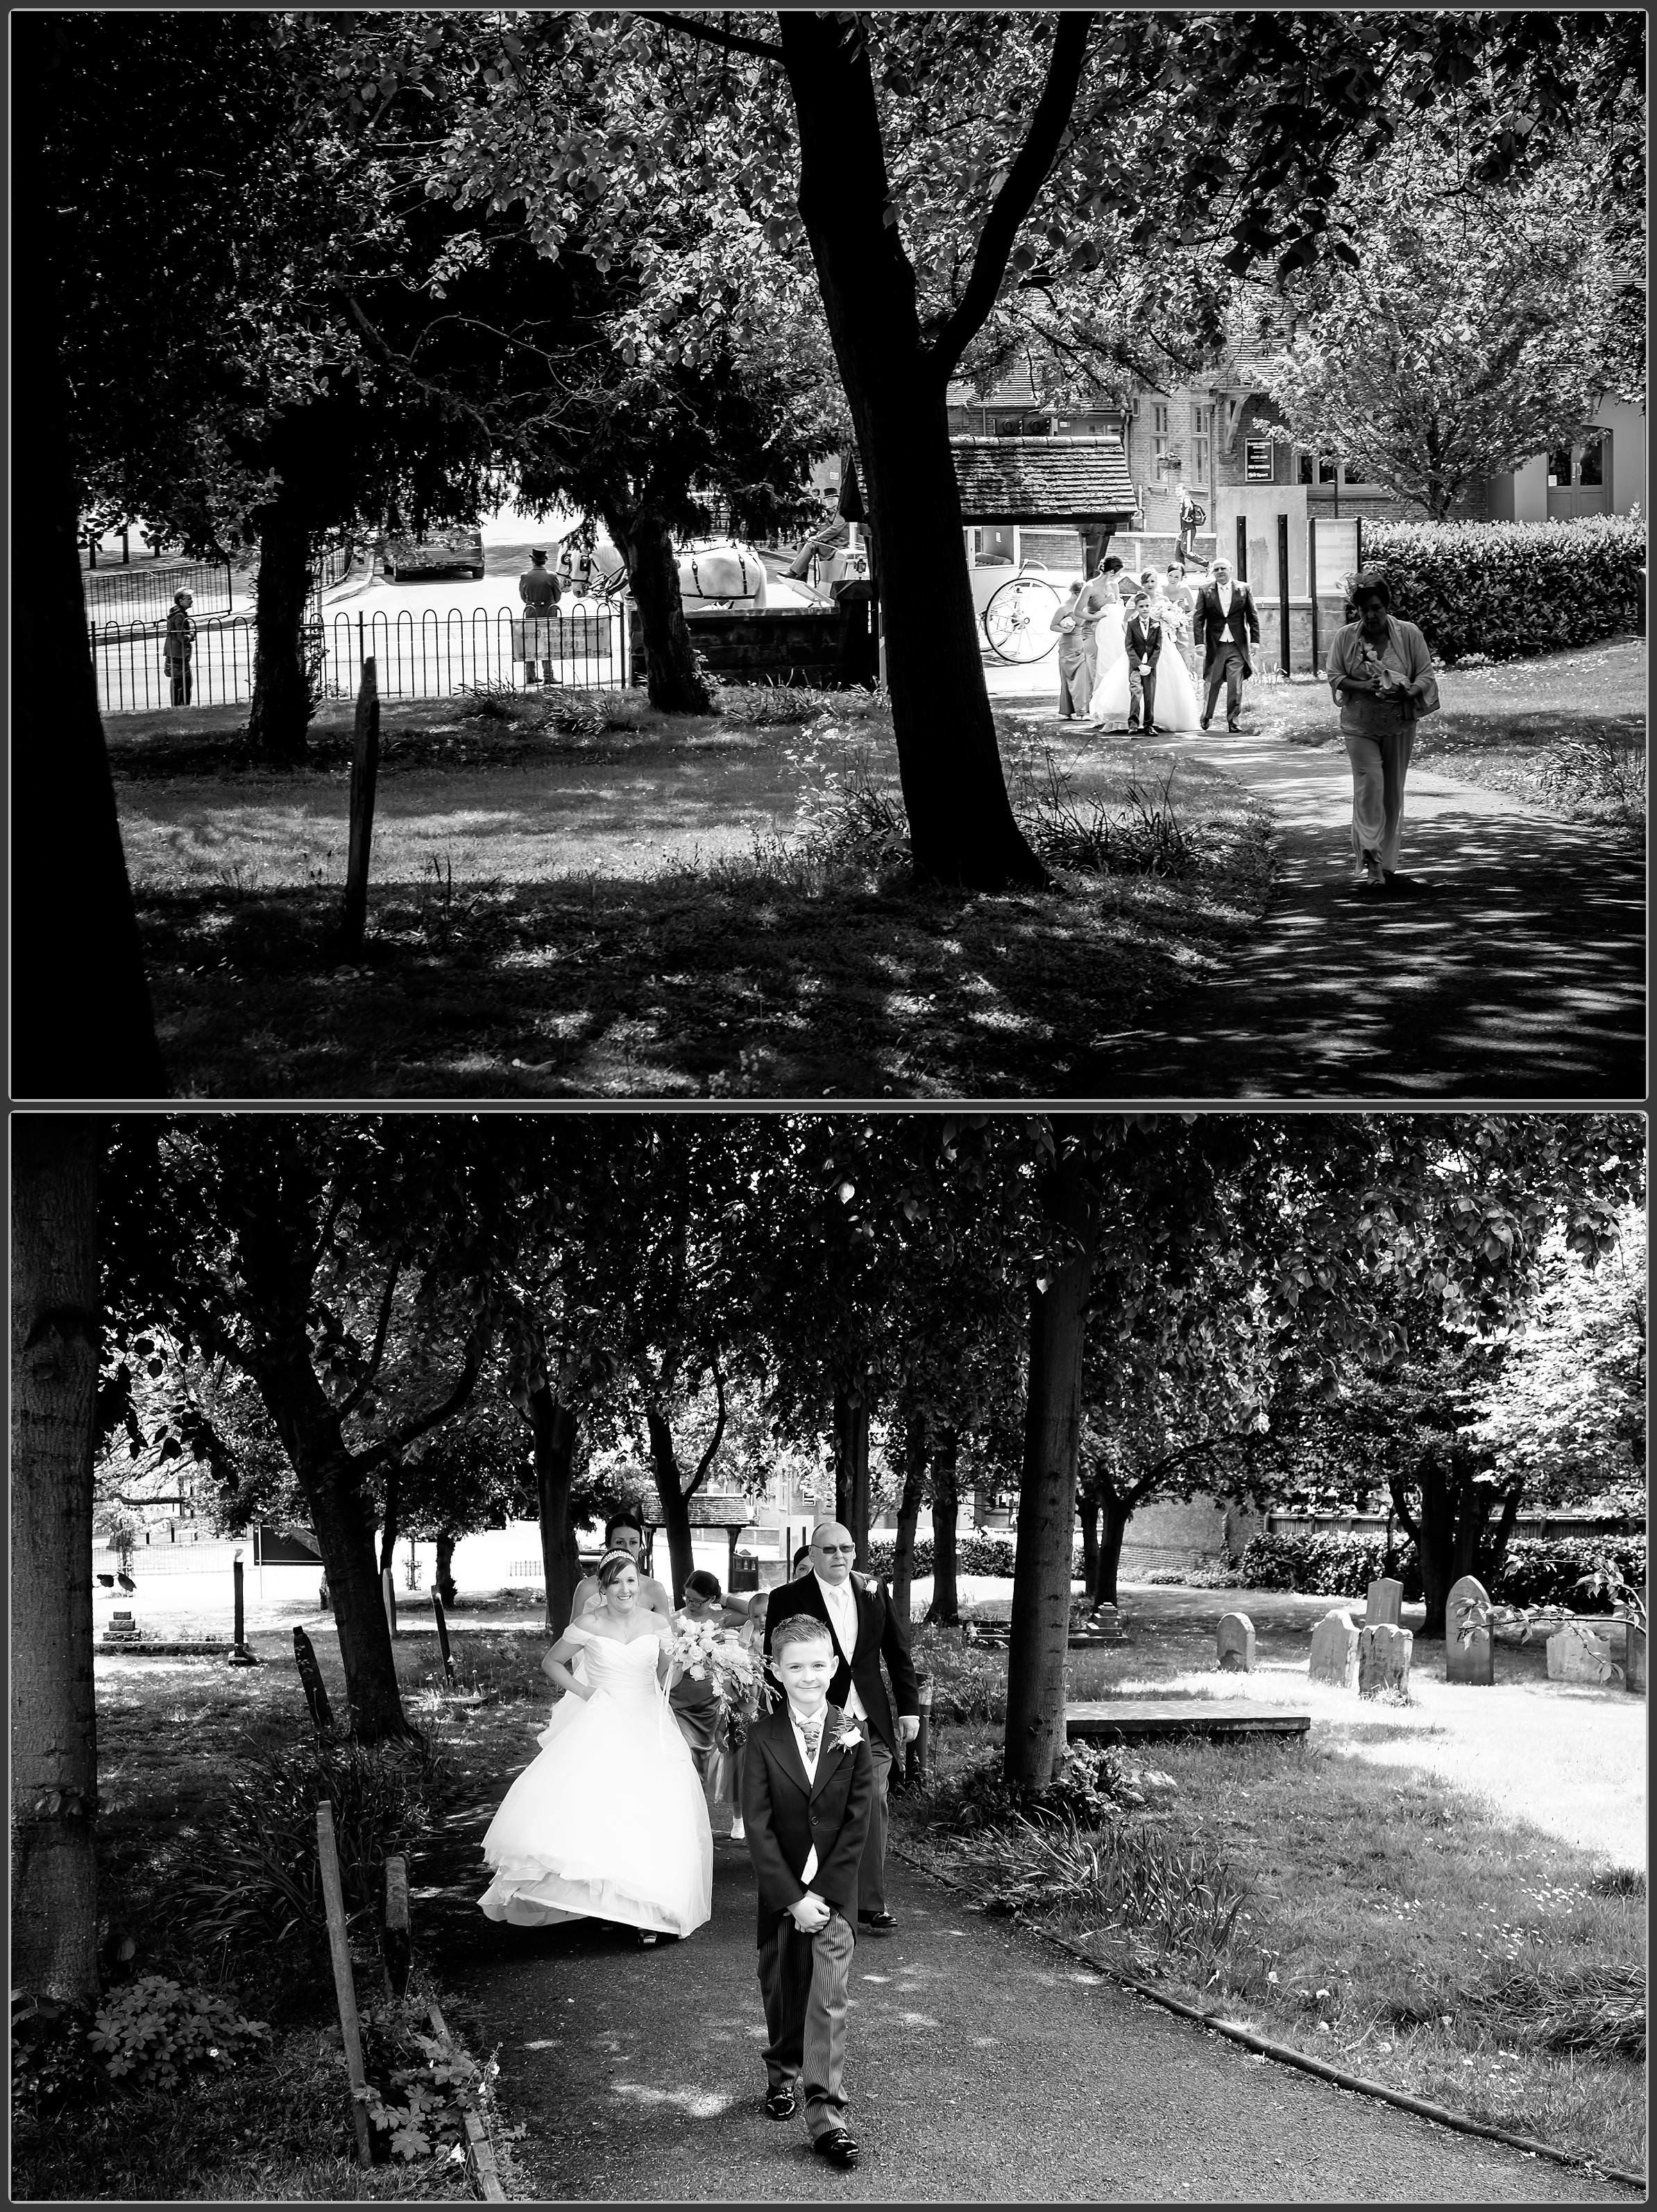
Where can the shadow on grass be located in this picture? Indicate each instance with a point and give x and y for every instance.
(781, 974)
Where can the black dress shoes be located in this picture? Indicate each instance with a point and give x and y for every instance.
(837, 2148)
(1202, 721)
(781, 2104)
(878, 1923)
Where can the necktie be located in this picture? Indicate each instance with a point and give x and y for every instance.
(812, 1732)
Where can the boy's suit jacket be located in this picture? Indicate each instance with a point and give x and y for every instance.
(1144, 640)
(786, 1818)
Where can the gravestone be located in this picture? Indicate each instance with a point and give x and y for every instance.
(122, 1629)
(1385, 1604)
(1634, 1668)
(1334, 1656)
(1233, 1644)
(1576, 1654)
(1473, 1660)
(1383, 1658)
(316, 1690)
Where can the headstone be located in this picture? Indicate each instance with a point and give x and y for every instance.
(1576, 1654)
(1634, 1668)
(1383, 1659)
(364, 769)
(394, 1942)
(1233, 1644)
(442, 1635)
(1467, 1658)
(240, 1654)
(1334, 1656)
(316, 1690)
(1385, 1604)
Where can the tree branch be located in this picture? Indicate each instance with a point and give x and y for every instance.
(732, 41)
(706, 1459)
(379, 1351)
(1017, 196)
(417, 1424)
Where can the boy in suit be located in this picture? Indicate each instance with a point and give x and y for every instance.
(808, 1785)
(1144, 640)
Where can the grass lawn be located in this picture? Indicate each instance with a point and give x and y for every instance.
(631, 904)
(1566, 731)
(1447, 1895)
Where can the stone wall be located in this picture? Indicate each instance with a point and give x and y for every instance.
(1186, 1533)
(778, 645)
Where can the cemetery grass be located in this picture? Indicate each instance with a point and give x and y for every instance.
(1566, 731)
(632, 904)
(277, 2128)
(1393, 1924)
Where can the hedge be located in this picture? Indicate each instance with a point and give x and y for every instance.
(1535, 1570)
(974, 1555)
(1505, 590)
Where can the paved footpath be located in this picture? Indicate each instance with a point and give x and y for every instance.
(985, 2067)
(1508, 961)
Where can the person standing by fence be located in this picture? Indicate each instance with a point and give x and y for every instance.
(539, 590)
(177, 648)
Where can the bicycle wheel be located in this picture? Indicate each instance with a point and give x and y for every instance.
(1017, 619)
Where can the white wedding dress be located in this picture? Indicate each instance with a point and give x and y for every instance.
(1112, 661)
(610, 1823)
(1175, 704)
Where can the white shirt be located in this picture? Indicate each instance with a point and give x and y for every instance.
(840, 1601)
(809, 1761)
(1222, 594)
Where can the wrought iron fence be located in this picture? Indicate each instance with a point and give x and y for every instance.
(143, 595)
(427, 655)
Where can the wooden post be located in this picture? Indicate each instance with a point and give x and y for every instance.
(442, 1634)
(1312, 581)
(365, 768)
(1282, 592)
(1242, 549)
(396, 1941)
(240, 1654)
(316, 1690)
(345, 1987)
(388, 1597)
(920, 1751)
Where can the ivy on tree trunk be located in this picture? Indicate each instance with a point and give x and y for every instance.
(282, 705)
(54, 1376)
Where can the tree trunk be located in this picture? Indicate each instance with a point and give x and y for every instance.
(54, 1380)
(675, 683)
(343, 1521)
(1117, 1513)
(443, 1578)
(852, 1468)
(283, 707)
(908, 1514)
(1046, 1492)
(1087, 1505)
(945, 1607)
(388, 1535)
(555, 1429)
(81, 1021)
(961, 822)
(676, 1506)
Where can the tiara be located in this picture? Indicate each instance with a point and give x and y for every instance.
(618, 1553)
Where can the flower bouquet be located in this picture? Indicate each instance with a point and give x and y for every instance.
(709, 1653)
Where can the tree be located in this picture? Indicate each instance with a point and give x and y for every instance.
(1476, 332)
(350, 1268)
(55, 1326)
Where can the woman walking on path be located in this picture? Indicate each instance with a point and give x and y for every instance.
(610, 1822)
(1381, 676)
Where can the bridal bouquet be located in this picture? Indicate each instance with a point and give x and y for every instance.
(706, 1652)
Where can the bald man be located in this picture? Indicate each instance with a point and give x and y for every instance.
(865, 1630)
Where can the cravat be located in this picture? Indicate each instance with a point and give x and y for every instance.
(812, 1732)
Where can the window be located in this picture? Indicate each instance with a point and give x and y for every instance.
(1159, 440)
(1592, 471)
(1257, 458)
(1302, 468)
(1558, 467)
(1202, 443)
(1352, 476)
(1328, 471)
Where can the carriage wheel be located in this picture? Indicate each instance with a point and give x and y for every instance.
(1017, 619)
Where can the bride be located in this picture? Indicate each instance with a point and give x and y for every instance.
(1175, 698)
(610, 1822)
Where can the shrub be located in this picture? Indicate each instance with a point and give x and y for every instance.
(1505, 590)
(253, 1874)
(1092, 1785)
(1343, 1566)
(1534, 1570)
(977, 1554)
(153, 2032)
(51, 2062)
(1546, 1570)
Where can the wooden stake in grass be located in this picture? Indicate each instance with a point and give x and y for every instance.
(921, 1749)
(364, 769)
(240, 1654)
(345, 1987)
(316, 1690)
(396, 1941)
(441, 1620)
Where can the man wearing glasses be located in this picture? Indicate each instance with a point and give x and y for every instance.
(864, 1628)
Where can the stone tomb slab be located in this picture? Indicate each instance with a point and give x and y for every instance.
(1334, 1654)
(1128, 1720)
(1467, 1657)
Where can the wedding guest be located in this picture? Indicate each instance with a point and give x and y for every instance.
(807, 1795)
(623, 1532)
(1075, 689)
(1144, 647)
(802, 1562)
(866, 1629)
(1224, 625)
(1380, 673)
(695, 1705)
(733, 1749)
(1181, 597)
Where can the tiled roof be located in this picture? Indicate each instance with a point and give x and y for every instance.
(1042, 479)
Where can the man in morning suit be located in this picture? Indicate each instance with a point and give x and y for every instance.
(1221, 627)
(865, 1629)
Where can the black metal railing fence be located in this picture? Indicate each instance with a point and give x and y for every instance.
(143, 595)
